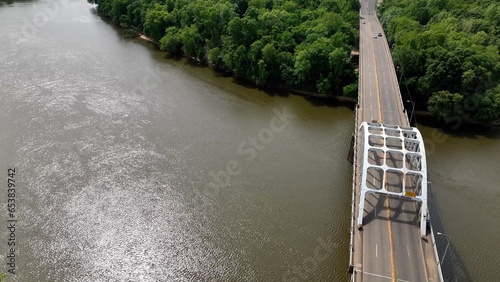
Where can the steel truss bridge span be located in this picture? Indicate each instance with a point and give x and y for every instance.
(393, 163)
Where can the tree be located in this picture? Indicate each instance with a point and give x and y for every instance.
(489, 106)
(302, 44)
(157, 21)
(172, 41)
(447, 54)
(445, 105)
(351, 90)
(192, 43)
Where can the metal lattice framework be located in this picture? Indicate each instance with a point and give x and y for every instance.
(394, 157)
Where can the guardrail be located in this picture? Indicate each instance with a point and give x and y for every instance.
(434, 247)
(353, 199)
(400, 96)
(395, 77)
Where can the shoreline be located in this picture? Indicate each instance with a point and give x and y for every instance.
(145, 37)
(428, 118)
(303, 93)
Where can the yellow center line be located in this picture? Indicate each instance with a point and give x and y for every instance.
(378, 86)
(394, 274)
(389, 224)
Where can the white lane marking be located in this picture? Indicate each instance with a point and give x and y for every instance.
(382, 276)
(376, 250)
(408, 250)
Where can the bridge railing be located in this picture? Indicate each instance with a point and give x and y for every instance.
(400, 95)
(353, 200)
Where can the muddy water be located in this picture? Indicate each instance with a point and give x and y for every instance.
(132, 166)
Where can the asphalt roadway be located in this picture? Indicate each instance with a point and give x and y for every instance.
(392, 249)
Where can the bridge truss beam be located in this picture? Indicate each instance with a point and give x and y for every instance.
(393, 163)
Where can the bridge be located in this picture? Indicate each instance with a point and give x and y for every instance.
(391, 235)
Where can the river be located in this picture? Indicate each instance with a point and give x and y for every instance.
(132, 166)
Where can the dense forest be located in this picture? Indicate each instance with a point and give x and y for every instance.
(446, 54)
(445, 51)
(303, 44)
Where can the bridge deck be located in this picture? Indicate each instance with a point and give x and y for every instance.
(389, 247)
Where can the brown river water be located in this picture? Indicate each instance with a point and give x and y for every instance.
(132, 166)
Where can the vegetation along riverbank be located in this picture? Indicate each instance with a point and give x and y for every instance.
(445, 52)
(292, 44)
(446, 55)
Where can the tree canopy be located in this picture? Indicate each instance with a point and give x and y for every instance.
(302, 44)
(447, 53)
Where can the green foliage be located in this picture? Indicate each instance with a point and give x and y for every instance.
(171, 42)
(303, 44)
(489, 105)
(444, 104)
(157, 20)
(351, 90)
(447, 53)
(192, 43)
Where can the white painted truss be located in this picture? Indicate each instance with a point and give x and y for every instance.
(393, 163)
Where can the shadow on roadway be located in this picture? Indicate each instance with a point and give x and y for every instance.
(380, 213)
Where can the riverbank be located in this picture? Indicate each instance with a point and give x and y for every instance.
(343, 99)
(452, 124)
(424, 117)
(145, 37)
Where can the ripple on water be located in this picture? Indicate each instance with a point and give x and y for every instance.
(117, 205)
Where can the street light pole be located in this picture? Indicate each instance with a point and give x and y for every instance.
(446, 249)
(412, 109)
